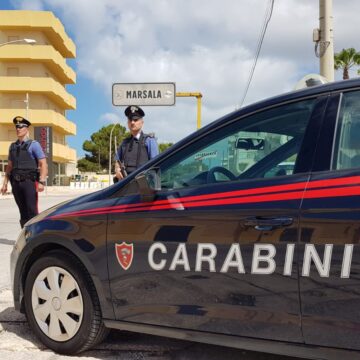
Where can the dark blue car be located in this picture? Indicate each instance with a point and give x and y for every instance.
(244, 234)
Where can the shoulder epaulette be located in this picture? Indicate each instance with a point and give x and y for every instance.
(152, 135)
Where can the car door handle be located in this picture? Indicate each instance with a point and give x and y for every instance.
(268, 223)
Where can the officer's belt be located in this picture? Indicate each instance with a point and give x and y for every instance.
(23, 177)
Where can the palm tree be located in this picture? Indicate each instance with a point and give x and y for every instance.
(345, 60)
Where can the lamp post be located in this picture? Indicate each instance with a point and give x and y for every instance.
(99, 160)
(112, 129)
(26, 101)
(28, 41)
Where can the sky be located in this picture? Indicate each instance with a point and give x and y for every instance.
(205, 46)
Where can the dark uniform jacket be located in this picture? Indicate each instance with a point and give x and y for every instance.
(24, 166)
(134, 152)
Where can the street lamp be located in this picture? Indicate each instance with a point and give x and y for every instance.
(112, 129)
(28, 41)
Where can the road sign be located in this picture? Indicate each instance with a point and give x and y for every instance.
(151, 94)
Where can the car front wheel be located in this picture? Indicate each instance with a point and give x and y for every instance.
(61, 304)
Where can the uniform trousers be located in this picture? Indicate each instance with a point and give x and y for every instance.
(26, 197)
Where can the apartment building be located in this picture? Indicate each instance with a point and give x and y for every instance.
(33, 77)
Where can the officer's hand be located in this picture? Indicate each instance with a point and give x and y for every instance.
(4, 189)
(40, 188)
(118, 174)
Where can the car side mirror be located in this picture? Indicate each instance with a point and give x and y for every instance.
(149, 182)
(250, 144)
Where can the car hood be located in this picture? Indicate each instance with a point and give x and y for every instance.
(72, 204)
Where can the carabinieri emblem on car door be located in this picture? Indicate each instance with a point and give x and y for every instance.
(124, 253)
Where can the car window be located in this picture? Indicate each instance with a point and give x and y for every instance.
(346, 153)
(261, 145)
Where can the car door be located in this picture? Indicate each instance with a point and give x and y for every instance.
(214, 250)
(330, 231)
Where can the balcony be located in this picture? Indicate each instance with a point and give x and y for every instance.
(61, 153)
(46, 86)
(40, 53)
(39, 117)
(44, 21)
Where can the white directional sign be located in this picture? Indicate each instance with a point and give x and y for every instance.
(161, 94)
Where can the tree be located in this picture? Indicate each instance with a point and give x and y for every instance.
(86, 165)
(164, 146)
(98, 148)
(346, 59)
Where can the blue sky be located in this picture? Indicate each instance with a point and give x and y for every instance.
(203, 46)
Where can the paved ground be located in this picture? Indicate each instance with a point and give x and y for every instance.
(17, 341)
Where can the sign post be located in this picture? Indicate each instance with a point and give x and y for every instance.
(198, 96)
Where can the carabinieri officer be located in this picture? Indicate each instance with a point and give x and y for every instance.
(137, 149)
(26, 171)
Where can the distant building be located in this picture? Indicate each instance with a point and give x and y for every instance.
(37, 72)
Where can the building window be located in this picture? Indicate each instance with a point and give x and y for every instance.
(12, 71)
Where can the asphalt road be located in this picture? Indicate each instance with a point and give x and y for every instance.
(18, 342)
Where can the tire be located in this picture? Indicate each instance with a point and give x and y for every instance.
(61, 304)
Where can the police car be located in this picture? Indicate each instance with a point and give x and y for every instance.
(213, 240)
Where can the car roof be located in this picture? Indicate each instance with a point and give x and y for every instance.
(309, 91)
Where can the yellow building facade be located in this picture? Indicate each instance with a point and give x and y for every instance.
(33, 78)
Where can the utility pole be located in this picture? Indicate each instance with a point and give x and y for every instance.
(99, 161)
(324, 39)
(198, 96)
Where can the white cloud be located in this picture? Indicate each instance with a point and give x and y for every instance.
(203, 45)
(29, 4)
(109, 118)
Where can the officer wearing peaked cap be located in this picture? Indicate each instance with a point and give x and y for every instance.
(138, 148)
(134, 112)
(19, 120)
(26, 171)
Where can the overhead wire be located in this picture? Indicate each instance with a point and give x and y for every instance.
(267, 18)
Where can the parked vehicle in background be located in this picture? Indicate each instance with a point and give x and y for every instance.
(244, 234)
